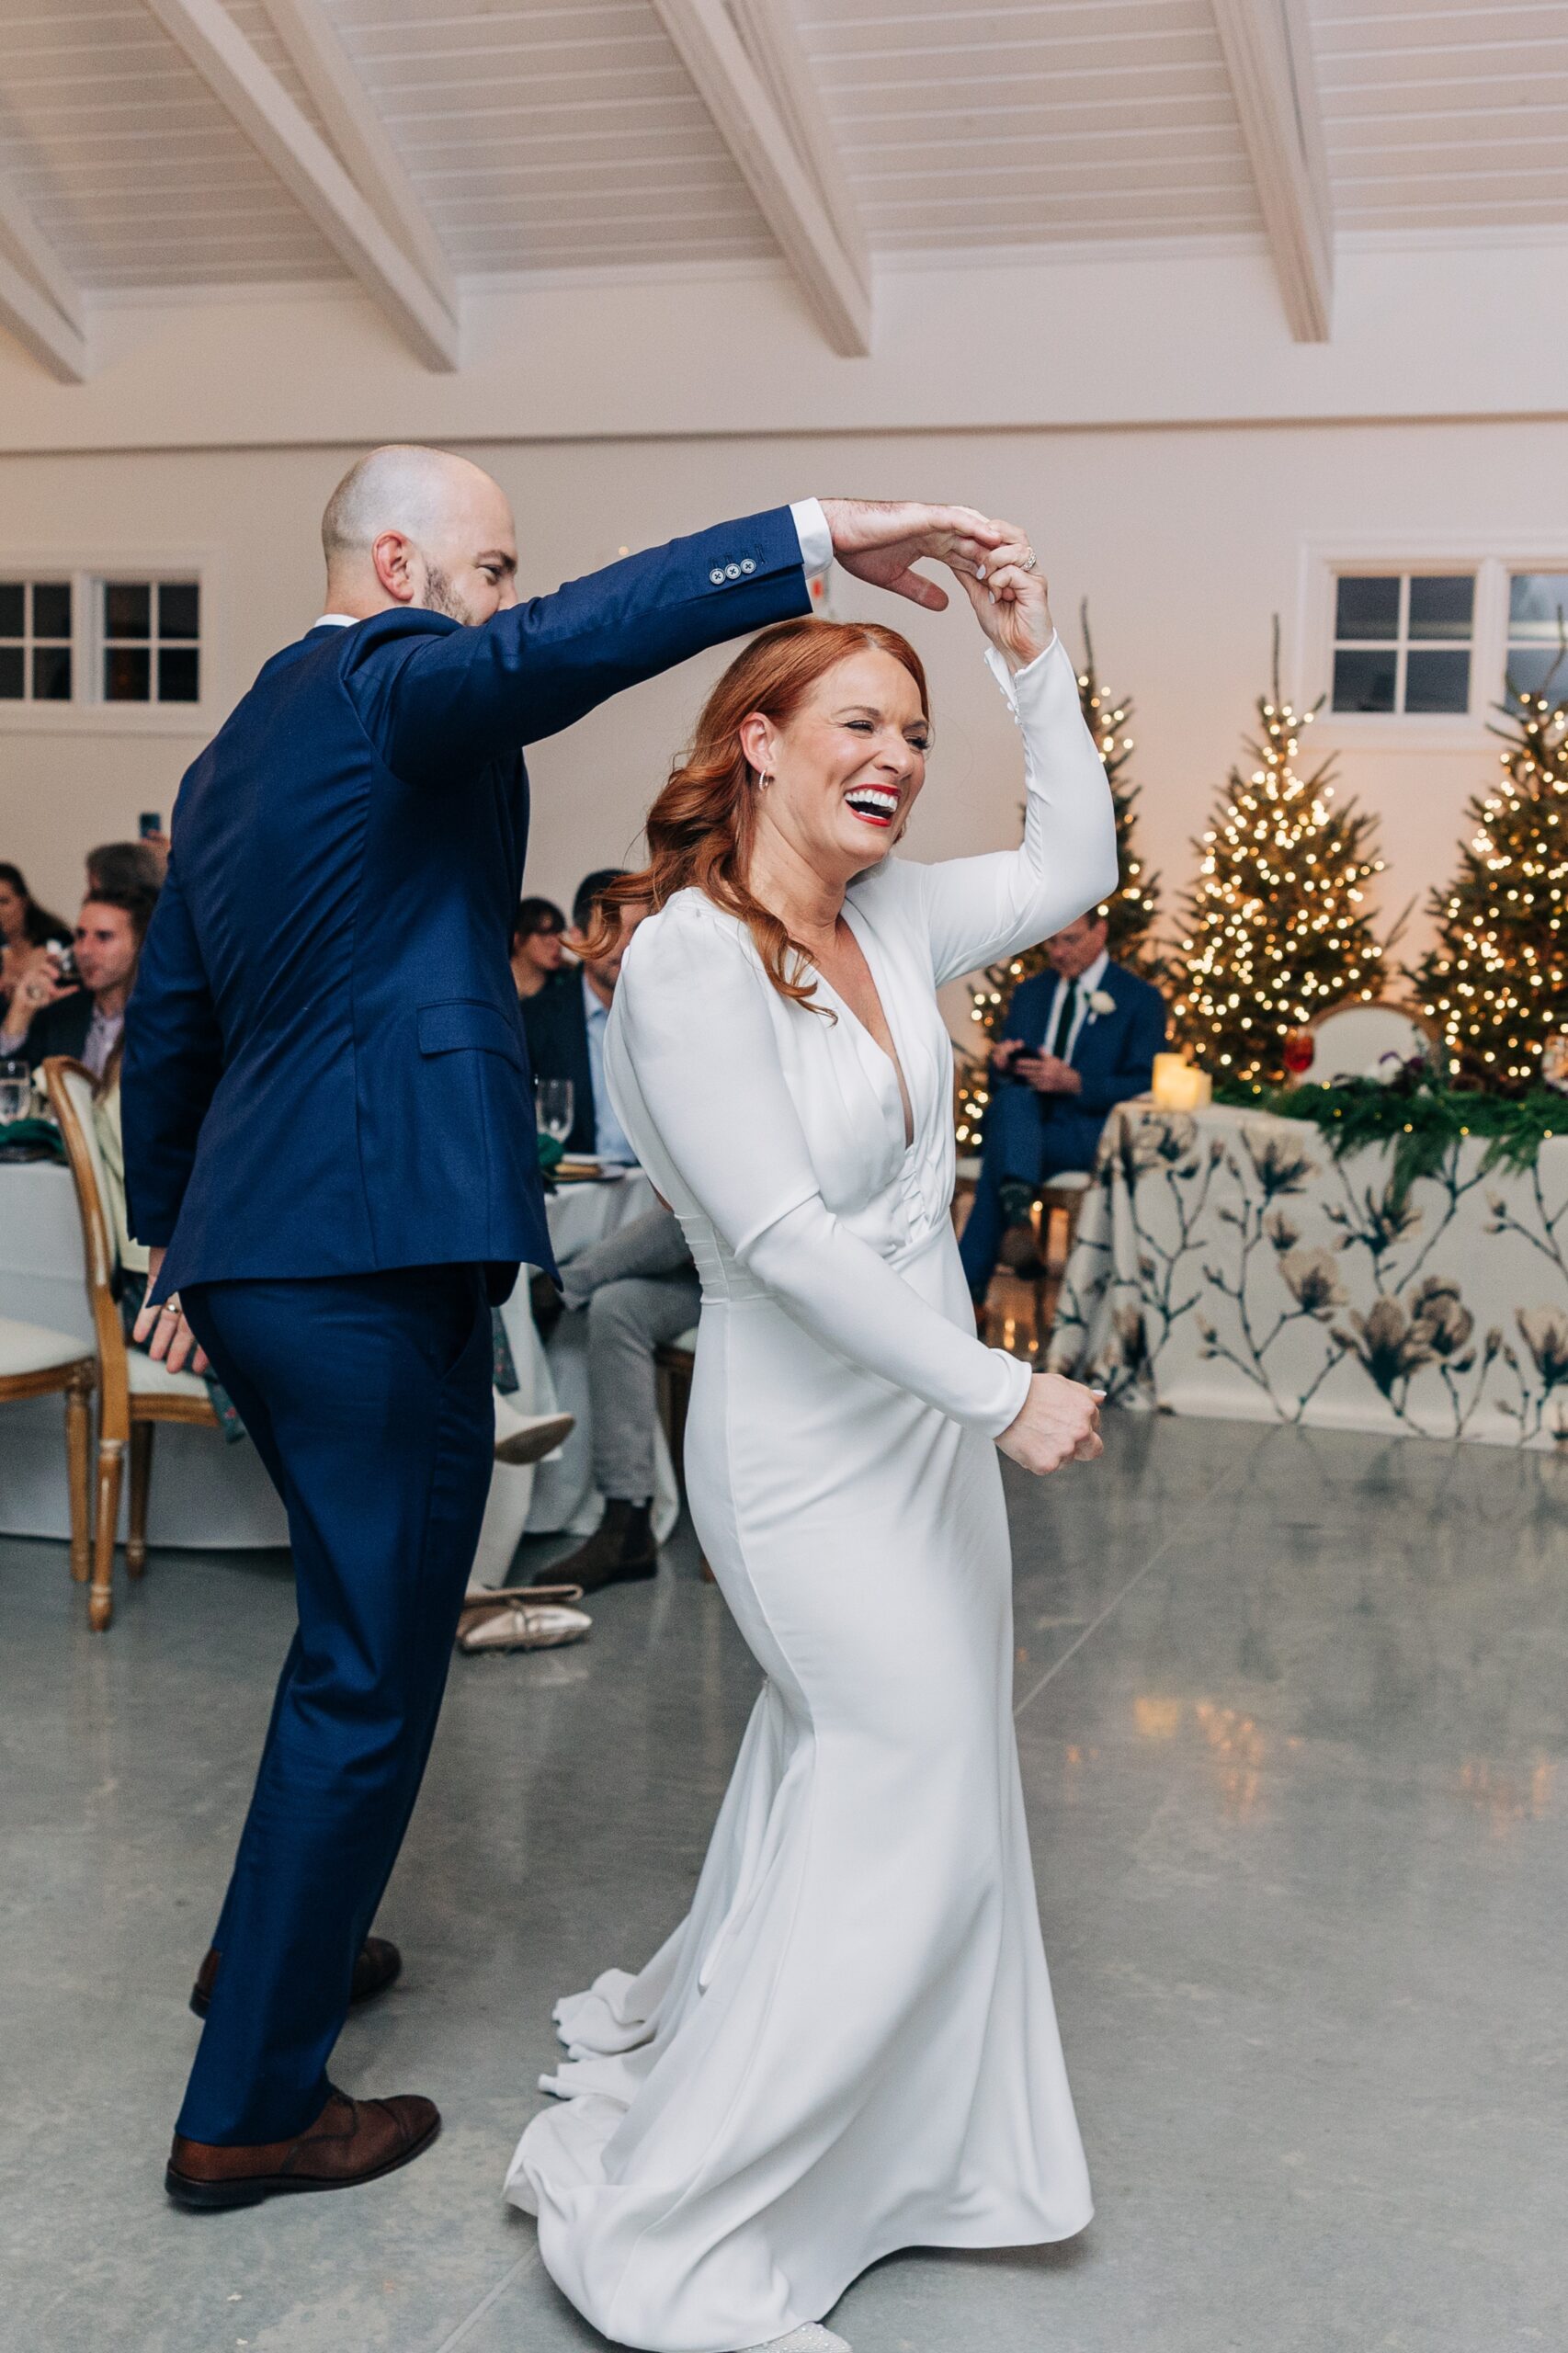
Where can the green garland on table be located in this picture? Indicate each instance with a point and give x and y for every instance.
(1421, 1116)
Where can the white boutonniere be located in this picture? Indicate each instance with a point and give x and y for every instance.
(1101, 1001)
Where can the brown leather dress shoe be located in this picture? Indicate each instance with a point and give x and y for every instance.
(622, 1550)
(351, 2141)
(379, 1965)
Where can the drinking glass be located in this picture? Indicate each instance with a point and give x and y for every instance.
(552, 1105)
(15, 1087)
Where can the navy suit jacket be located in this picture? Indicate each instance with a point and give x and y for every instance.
(555, 1023)
(1114, 1056)
(325, 1071)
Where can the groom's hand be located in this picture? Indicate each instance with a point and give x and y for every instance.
(163, 1332)
(880, 539)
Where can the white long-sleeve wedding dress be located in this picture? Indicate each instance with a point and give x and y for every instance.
(850, 2044)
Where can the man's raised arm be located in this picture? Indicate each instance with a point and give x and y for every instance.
(439, 703)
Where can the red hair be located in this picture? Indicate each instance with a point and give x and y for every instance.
(701, 827)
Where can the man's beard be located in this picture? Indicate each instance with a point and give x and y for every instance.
(440, 596)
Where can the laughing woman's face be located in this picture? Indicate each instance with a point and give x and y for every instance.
(847, 769)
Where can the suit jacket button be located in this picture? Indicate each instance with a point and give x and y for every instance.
(747, 564)
(717, 575)
(731, 571)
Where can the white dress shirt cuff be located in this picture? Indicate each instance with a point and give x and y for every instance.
(812, 530)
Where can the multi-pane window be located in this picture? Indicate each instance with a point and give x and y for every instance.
(1403, 641)
(151, 631)
(35, 640)
(94, 639)
(1538, 631)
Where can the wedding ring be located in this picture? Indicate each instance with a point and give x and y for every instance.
(1030, 566)
(170, 1307)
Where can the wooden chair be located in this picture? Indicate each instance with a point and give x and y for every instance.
(34, 1362)
(135, 1393)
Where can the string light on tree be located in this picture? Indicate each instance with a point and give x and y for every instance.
(1278, 926)
(1131, 913)
(1497, 981)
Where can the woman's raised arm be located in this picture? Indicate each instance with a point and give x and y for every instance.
(978, 909)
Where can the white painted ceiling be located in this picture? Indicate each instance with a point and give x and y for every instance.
(561, 135)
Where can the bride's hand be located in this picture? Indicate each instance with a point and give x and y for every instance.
(1060, 1422)
(1010, 600)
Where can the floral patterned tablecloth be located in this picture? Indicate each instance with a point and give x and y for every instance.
(1227, 1263)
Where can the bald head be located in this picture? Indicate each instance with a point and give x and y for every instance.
(408, 525)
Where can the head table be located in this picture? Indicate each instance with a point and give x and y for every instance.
(1226, 1263)
(208, 1494)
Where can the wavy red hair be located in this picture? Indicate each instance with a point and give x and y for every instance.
(701, 826)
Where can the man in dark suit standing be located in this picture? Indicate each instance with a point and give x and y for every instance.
(565, 1024)
(330, 1150)
(1080, 1037)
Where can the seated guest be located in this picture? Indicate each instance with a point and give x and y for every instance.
(129, 866)
(25, 927)
(565, 1023)
(82, 1017)
(639, 1290)
(537, 952)
(1079, 1039)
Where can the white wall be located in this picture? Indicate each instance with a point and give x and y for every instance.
(1184, 541)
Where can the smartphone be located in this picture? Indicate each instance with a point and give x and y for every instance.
(149, 824)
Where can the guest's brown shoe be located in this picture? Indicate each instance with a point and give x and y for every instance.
(351, 2141)
(379, 1965)
(621, 1551)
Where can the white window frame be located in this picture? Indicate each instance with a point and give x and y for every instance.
(88, 713)
(1491, 561)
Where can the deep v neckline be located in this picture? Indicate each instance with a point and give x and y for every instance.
(909, 1126)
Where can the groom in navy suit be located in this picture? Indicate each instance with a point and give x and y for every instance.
(1079, 1039)
(329, 1146)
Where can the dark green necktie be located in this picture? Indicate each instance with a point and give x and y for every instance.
(1061, 1028)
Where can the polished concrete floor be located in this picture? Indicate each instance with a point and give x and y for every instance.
(1291, 1709)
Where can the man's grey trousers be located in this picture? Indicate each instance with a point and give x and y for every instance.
(640, 1291)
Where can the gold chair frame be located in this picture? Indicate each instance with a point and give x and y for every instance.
(127, 1421)
(76, 1379)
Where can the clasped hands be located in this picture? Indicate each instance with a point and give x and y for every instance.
(1047, 1074)
(881, 541)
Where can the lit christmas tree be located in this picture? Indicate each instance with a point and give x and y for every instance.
(1277, 927)
(1497, 981)
(1129, 914)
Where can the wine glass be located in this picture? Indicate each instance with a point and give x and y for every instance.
(552, 1106)
(16, 1086)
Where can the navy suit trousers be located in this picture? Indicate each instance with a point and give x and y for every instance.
(1018, 1144)
(368, 1399)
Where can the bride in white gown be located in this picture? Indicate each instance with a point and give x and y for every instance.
(848, 2046)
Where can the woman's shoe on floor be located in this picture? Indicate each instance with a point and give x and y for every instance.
(379, 1965)
(351, 2141)
(811, 2339)
(621, 1549)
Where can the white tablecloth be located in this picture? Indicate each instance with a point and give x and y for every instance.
(205, 1493)
(1228, 1264)
(208, 1494)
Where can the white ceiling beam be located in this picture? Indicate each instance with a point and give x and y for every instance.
(24, 243)
(255, 100)
(360, 137)
(1268, 57)
(40, 302)
(769, 33)
(751, 126)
